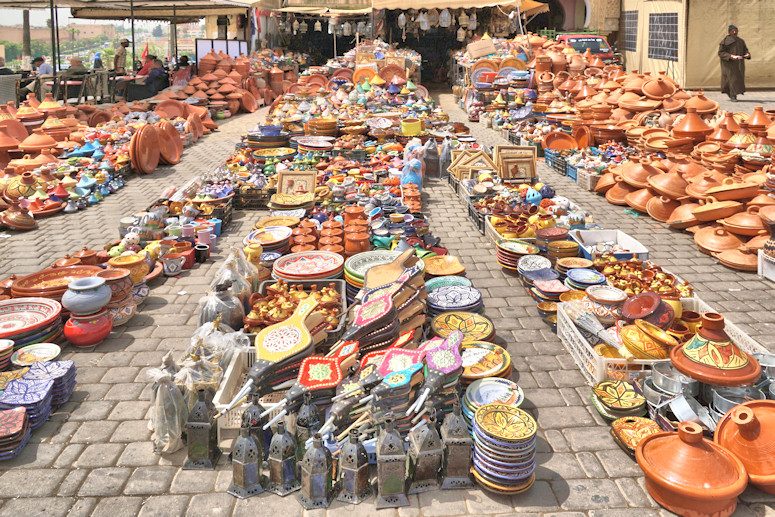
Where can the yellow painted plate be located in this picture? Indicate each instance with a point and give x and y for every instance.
(505, 423)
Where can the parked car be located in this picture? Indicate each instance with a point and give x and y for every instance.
(597, 45)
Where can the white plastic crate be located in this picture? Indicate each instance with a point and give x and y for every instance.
(587, 179)
(588, 240)
(597, 369)
(234, 378)
(766, 266)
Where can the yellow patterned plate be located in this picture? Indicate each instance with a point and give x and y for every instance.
(288, 221)
(505, 423)
(618, 395)
(502, 489)
(474, 327)
(292, 199)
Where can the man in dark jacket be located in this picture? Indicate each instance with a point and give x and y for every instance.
(732, 51)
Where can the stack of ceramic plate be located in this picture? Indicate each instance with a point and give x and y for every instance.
(546, 235)
(563, 265)
(489, 391)
(615, 399)
(548, 290)
(290, 222)
(545, 274)
(532, 263)
(272, 238)
(34, 395)
(441, 281)
(256, 140)
(509, 251)
(6, 351)
(308, 265)
(475, 327)
(563, 249)
(61, 372)
(313, 143)
(30, 320)
(355, 268)
(291, 201)
(15, 432)
(454, 298)
(482, 360)
(504, 448)
(582, 278)
(31, 354)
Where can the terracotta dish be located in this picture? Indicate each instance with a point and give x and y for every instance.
(557, 140)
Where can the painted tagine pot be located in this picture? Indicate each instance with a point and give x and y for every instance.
(120, 311)
(119, 282)
(748, 432)
(690, 475)
(88, 330)
(711, 356)
(135, 263)
(86, 295)
(140, 292)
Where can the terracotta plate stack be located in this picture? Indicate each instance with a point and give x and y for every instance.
(144, 149)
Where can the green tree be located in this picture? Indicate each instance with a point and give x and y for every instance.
(158, 32)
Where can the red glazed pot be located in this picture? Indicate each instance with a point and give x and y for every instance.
(89, 330)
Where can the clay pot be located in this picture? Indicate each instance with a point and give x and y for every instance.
(682, 216)
(690, 475)
(605, 182)
(685, 167)
(355, 243)
(715, 239)
(692, 126)
(637, 174)
(759, 120)
(119, 282)
(742, 258)
(67, 261)
(747, 431)
(711, 356)
(639, 199)
(86, 296)
(661, 208)
(701, 184)
(701, 103)
(17, 218)
(659, 88)
(672, 184)
(745, 223)
(86, 256)
(616, 194)
(136, 265)
(89, 330)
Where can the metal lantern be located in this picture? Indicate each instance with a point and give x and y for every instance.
(391, 468)
(354, 471)
(283, 478)
(251, 417)
(457, 444)
(308, 422)
(317, 476)
(246, 459)
(425, 455)
(202, 436)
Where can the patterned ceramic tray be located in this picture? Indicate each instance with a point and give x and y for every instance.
(269, 235)
(311, 264)
(20, 315)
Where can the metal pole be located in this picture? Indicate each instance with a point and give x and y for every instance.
(132, 15)
(59, 54)
(53, 36)
(174, 28)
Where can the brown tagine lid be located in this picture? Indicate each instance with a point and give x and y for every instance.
(748, 432)
(690, 475)
(711, 356)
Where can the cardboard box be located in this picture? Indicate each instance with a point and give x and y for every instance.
(481, 48)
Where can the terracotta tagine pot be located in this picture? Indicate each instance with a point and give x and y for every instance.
(702, 184)
(745, 223)
(690, 475)
(87, 257)
(605, 182)
(711, 357)
(355, 243)
(639, 199)
(748, 432)
(758, 121)
(17, 218)
(715, 239)
(20, 186)
(616, 194)
(692, 126)
(682, 217)
(638, 173)
(671, 185)
(701, 103)
(661, 207)
(743, 258)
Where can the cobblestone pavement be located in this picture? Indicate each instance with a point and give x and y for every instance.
(94, 457)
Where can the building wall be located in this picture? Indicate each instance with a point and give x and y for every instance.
(14, 34)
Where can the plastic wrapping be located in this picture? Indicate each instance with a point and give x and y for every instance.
(216, 343)
(198, 374)
(169, 366)
(169, 414)
(223, 306)
(240, 286)
(445, 158)
(248, 271)
(431, 157)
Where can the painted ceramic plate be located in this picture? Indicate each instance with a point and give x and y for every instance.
(26, 392)
(451, 297)
(574, 262)
(443, 265)
(52, 279)
(33, 353)
(586, 276)
(50, 370)
(483, 359)
(474, 327)
(289, 222)
(435, 283)
(269, 235)
(306, 264)
(642, 345)
(553, 287)
(505, 422)
(493, 390)
(357, 265)
(517, 246)
(6, 377)
(618, 395)
(275, 152)
(12, 421)
(20, 315)
(630, 430)
(533, 263)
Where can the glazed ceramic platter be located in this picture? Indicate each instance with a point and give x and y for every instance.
(435, 283)
(516, 246)
(357, 265)
(26, 392)
(475, 327)
(454, 297)
(482, 359)
(533, 263)
(20, 315)
(53, 279)
(586, 276)
(268, 236)
(33, 353)
(308, 264)
(443, 265)
(490, 390)
(288, 222)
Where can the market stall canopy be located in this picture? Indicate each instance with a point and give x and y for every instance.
(529, 7)
(184, 10)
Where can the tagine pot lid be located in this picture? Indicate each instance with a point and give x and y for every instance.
(711, 356)
(748, 432)
(685, 464)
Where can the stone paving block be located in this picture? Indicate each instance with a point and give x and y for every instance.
(590, 464)
(131, 431)
(130, 410)
(100, 455)
(193, 481)
(634, 493)
(68, 456)
(34, 456)
(48, 506)
(118, 507)
(30, 482)
(443, 503)
(92, 410)
(539, 498)
(83, 507)
(124, 391)
(121, 374)
(590, 494)
(551, 466)
(72, 482)
(150, 480)
(138, 454)
(619, 464)
(563, 417)
(210, 505)
(164, 505)
(94, 432)
(589, 438)
(104, 482)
